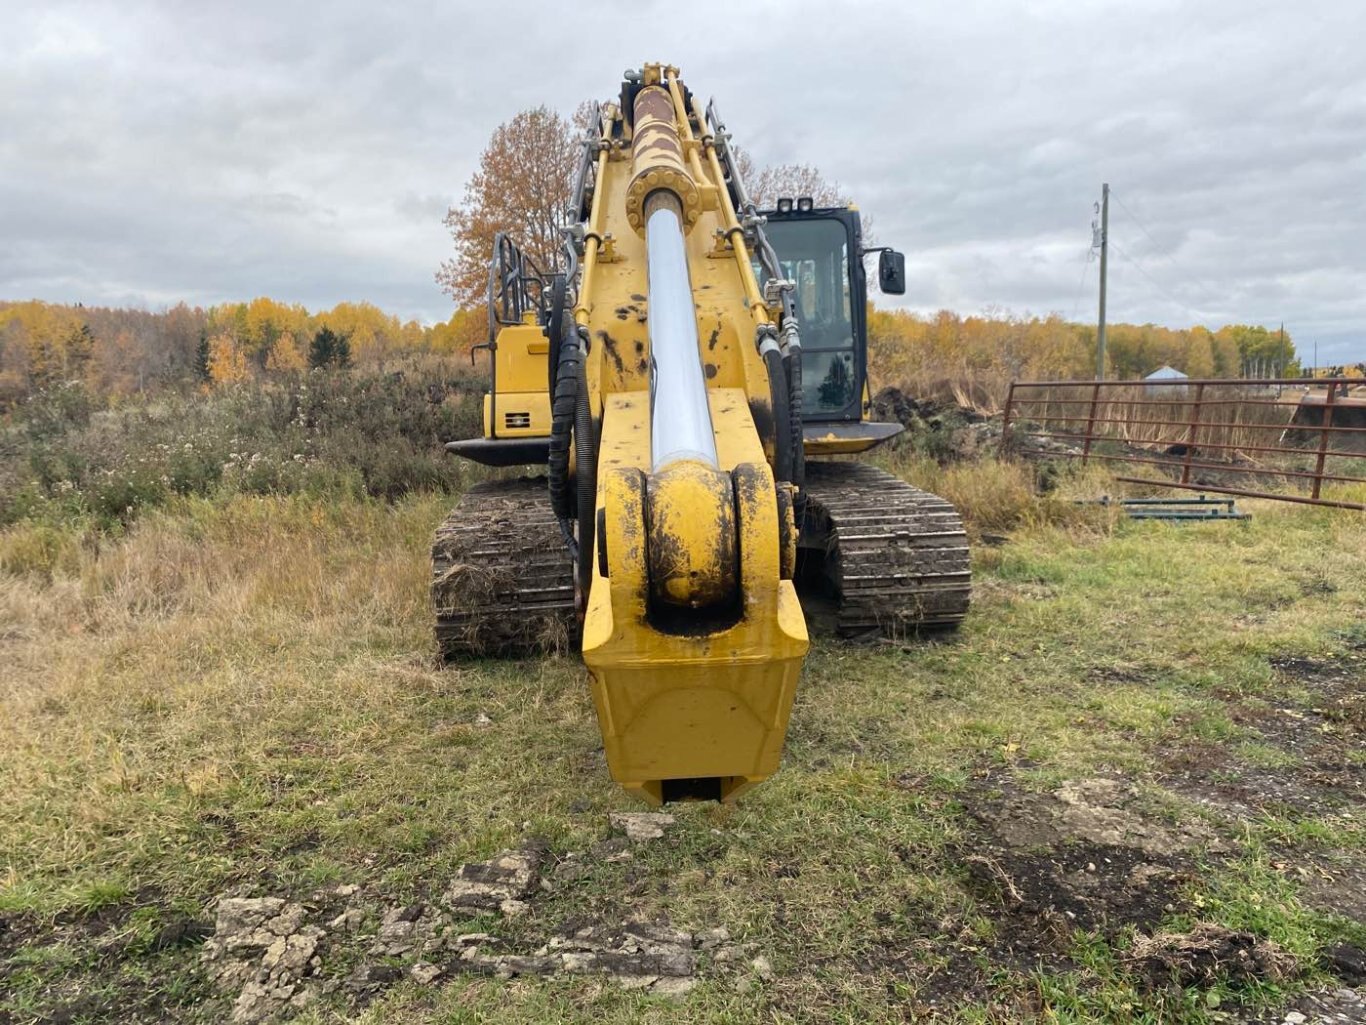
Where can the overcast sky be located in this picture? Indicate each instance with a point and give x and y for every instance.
(151, 153)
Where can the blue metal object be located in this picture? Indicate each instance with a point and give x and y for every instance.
(1201, 508)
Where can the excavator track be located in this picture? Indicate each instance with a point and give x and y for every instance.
(880, 556)
(502, 578)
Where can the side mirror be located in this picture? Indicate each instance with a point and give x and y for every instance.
(891, 272)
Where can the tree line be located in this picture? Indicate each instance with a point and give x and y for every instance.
(522, 187)
(120, 352)
(973, 359)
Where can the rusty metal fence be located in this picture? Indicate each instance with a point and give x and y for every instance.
(1300, 440)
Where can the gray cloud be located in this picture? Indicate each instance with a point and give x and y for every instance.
(154, 152)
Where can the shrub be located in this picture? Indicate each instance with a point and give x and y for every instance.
(331, 431)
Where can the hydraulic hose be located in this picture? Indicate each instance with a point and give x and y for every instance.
(782, 410)
(563, 412)
(560, 319)
(793, 360)
(586, 472)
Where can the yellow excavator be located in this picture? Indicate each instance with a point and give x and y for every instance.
(684, 375)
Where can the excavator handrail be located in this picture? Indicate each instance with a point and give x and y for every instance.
(516, 284)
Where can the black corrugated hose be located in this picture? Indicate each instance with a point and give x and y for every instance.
(586, 472)
(793, 359)
(782, 414)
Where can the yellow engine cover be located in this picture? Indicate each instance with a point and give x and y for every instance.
(519, 405)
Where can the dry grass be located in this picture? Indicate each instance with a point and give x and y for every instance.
(996, 496)
(243, 695)
(1149, 415)
(160, 670)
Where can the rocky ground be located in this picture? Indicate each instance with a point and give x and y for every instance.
(237, 784)
(1099, 855)
(273, 956)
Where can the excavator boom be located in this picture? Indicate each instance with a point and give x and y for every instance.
(662, 386)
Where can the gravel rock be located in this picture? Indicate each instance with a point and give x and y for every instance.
(424, 973)
(502, 884)
(712, 938)
(407, 929)
(348, 921)
(262, 949)
(1344, 1006)
(269, 955)
(642, 825)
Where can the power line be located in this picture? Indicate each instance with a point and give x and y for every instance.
(1085, 266)
(1162, 250)
(1153, 281)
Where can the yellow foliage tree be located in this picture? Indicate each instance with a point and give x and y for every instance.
(373, 334)
(456, 335)
(266, 321)
(227, 362)
(48, 338)
(286, 356)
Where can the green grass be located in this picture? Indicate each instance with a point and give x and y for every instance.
(240, 694)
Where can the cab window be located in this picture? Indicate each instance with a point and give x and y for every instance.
(814, 253)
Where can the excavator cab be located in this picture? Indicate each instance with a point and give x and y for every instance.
(820, 250)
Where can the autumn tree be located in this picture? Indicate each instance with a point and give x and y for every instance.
(202, 372)
(227, 361)
(522, 188)
(286, 355)
(767, 184)
(459, 333)
(266, 321)
(371, 334)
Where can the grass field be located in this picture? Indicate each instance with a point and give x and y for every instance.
(1141, 728)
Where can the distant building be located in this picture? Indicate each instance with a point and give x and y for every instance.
(1165, 382)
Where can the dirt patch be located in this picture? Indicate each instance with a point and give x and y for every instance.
(1095, 887)
(1095, 855)
(1317, 723)
(1207, 953)
(1107, 812)
(98, 963)
(1333, 882)
(1090, 855)
(1218, 779)
(1337, 685)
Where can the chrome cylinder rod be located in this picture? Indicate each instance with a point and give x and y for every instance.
(680, 417)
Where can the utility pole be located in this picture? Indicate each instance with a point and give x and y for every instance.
(1104, 250)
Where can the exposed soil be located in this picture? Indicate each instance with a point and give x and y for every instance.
(1090, 856)
(1085, 856)
(1103, 856)
(110, 984)
(1318, 720)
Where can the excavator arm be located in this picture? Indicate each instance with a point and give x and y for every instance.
(675, 452)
